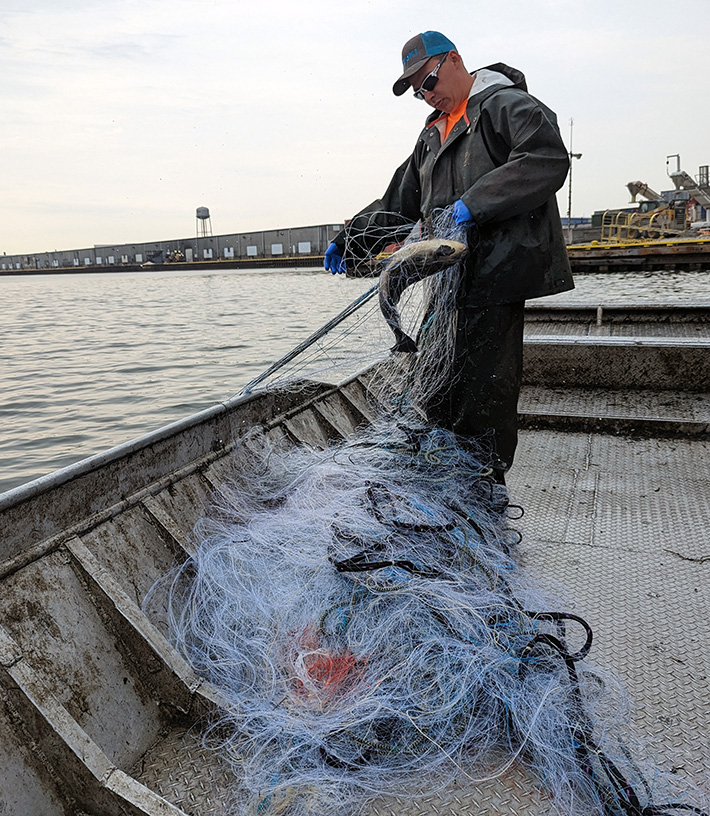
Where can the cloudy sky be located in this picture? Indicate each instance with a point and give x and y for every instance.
(118, 118)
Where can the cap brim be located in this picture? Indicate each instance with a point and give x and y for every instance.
(401, 85)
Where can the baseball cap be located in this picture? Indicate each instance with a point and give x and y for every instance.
(416, 52)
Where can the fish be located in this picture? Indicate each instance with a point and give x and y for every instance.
(412, 263)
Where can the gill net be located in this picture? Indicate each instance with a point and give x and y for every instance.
(359, 338)
(362, 615)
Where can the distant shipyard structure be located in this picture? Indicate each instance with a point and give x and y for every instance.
(297, 246)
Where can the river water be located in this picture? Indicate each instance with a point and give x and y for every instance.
(88, 361)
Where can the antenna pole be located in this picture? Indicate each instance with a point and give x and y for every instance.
(569, 200)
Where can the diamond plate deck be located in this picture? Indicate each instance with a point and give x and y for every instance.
(181, 770)
(621, 525)
(601, 402)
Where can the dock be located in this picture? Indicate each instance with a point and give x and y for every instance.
(279, 262)
(641, 256)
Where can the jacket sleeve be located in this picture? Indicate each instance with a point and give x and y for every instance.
(398, 208)
(533, 161)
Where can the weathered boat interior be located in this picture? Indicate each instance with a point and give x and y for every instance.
(100, 716)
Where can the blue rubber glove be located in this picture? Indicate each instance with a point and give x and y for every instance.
(462, 214)
(333, 261)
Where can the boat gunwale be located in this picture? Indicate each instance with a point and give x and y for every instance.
(229, 421)
(98, 461)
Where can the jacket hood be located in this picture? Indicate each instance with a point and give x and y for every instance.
(515, 76)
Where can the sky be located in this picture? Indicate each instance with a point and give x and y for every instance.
(118, 118)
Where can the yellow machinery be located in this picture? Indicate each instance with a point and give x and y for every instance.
(664, 215)
(658, 222)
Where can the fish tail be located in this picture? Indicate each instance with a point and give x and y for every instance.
(405, 344)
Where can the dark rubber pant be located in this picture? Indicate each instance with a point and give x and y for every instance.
(481, 400)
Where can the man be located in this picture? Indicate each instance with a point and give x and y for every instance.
(495, 153)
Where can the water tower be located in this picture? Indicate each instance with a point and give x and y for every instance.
(203, 221)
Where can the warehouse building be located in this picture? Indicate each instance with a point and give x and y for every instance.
(296, 244)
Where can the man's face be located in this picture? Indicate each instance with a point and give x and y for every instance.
(443, 96)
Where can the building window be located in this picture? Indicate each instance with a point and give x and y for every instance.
(304, 247)
(277, 249)
(251, 252)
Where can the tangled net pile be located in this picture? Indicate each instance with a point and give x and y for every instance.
(361, 611)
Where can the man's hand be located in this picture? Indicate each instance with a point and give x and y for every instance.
(462, 215)
(333, 261)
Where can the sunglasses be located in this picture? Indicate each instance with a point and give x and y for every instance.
(430, 79)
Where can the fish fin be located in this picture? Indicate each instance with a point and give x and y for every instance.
(405, 344)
